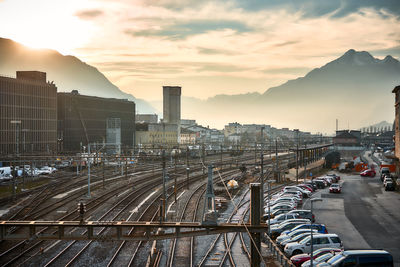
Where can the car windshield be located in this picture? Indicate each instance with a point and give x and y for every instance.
(335, 185)
(335, 259)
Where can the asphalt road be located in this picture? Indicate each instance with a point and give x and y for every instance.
(364, 215)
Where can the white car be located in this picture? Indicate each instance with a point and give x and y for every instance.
(279, 206)
(305, 193)
(283, 217)
(319, 241)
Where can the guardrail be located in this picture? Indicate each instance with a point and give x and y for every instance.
(277, 253)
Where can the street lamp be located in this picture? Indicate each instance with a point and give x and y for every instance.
(269, 206)
(297, 155)
(311, 229)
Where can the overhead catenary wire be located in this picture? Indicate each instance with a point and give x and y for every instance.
(235, 210)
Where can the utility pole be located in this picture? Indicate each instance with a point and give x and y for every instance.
(103, 163)
(305, 161)
(187, 167)
(255, 219)
(262, 171)
(88, 162)
(203, 158)
(297, 155)
(164, 189)
(126, 168)
(276, 160)
(221, 157)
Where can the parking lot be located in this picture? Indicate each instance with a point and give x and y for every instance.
(364, 215)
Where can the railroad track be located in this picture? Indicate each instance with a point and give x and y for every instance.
(28, 212)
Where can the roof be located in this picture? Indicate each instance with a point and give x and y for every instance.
(366, 251)
(345, 135)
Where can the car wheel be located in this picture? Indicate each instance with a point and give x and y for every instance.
(296, 252)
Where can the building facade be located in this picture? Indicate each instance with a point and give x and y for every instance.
(396, 91)
(28, 114)
(156, 134)
(83, 119)
(172, 107)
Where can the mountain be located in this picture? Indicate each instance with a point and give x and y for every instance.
(67, 72)
(355, 88)
(379, 125)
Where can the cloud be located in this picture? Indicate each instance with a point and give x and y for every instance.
(213, 51)
(89, 14)
(183, 29)
(318, 8)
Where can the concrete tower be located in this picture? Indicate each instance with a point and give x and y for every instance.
(172, 106)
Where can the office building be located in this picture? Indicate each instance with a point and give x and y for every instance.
(28, 114)
(88, 119)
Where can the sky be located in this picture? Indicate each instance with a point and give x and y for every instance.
(207, 47)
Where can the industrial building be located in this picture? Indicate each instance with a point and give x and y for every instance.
(28, 114)
(172, 107)
(88, 119)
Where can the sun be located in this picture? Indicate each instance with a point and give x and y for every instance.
(44, 25)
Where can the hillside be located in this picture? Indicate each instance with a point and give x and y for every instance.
(67, 72)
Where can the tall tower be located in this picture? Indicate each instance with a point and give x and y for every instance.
(172, 106)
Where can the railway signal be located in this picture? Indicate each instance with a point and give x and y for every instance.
(81, 210)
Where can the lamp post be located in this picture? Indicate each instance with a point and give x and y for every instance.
(269, 206)
(262, 171)
(311, 230)
(297, 155)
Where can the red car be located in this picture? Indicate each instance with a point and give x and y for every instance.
(335, 188)
(369, 173)
(306, 187)
(299, 259)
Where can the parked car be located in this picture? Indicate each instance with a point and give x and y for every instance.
(321, 228)
(276, 230)
(278, 206)
(283, 217)
(335, 188)
(368, 173)
(284, 237)
(337, 177)
(384, 171)
(305, 193)
(319, 241)
(307, 187)
(275, 213)
(304, 214)
(387, 179)
(295, 238)
(320, 259)
(357, 258)
(390, 186)
(320, 183)
(299, 259)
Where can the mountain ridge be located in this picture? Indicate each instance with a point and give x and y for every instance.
(68, 72)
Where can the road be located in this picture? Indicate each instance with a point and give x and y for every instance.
(364, 215)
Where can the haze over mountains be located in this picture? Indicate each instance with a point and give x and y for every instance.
(68, 72)
(355, 88)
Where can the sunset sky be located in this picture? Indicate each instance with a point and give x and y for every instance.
(208, 47)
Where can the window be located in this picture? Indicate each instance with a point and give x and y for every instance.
(335, 239)
(378, 260)
(349, 261)
(323, 240)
